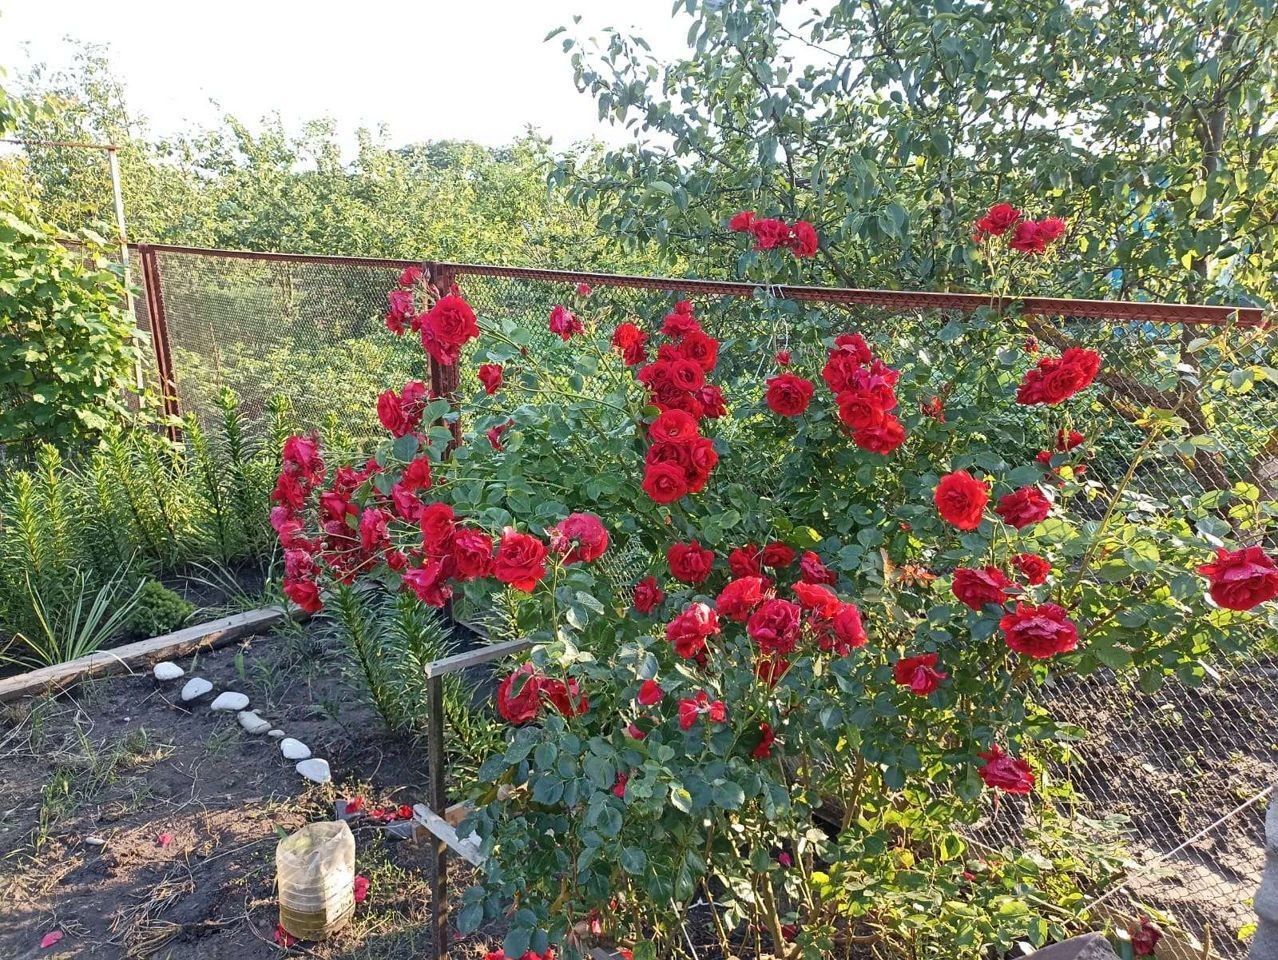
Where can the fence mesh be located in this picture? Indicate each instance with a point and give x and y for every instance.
(1171, 780)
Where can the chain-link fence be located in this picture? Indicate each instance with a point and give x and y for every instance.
(1169, 782)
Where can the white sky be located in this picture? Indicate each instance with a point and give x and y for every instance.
(429, 69)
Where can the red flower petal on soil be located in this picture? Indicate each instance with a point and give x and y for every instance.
(164, 839)
(283, 937)
(355, 804)
(50, 938)
(361, 888)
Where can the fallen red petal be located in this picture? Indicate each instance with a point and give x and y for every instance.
(361, 888)
(50, 938)
(164, 839)
(283, 937)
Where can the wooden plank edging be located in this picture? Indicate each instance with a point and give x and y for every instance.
(180, 643)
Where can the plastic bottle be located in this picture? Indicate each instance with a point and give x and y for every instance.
(315, 874)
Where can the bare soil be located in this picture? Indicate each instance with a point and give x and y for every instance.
(142, 828)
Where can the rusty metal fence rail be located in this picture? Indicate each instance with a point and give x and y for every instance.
(1174, 778)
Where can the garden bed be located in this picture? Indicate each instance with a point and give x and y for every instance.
(138, 827)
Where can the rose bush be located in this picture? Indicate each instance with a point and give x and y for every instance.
(786, 640)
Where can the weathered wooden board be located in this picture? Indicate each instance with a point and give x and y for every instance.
(181, 643)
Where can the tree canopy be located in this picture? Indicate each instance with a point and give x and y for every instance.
(891, 124)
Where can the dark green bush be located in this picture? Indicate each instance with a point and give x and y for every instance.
(159, 610)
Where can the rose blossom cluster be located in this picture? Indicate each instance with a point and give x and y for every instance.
(369, 527)
(1054, 380)
(775, 624)
(773, 233)
(521, 696)
(1027, 236)
(447, 326)
(679, 459)
(864, 389)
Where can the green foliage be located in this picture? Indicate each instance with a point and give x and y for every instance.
(70, 621)
(870, 789)
(391, 638)
(892, 125)
(68, 350)
(158, 611)
(139, 503)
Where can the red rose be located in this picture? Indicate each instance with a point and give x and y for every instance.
(490, 375)
(1005, 773)
(803, 239)
(1028, 238)
(1039, 632)
(859, 409)
(583, 290)
(565, 696)
(744, 561)
(845, 631)
(918, 673)
(373, 530)
(741, 222)
(812, 570)
(1023, 507)
(960, 499)
(472, 554)
(788, 394)
(701, 705)
(774, 626)
(580, 537)
(977, 587)
(1032, 567)
(739, 598)
(1054, 380)
(437, 522)
(769, 233)
(519, 695)
(771, 669)
(673, 426)
(401, 413)
(495, 434)
(782, 357)
(690, 562)
(677, 324)
(1145, 937)
(820, 600)
(700, 348)
(777, 555)
(882, 438)
(1068, 441)
(632, 342)
(520, 561)
(1241, 579)
(650, 693)
(410, 276)
(664, 482)
(301, 458)
(710, 398)
(648, 595)
(997, 221)
(400, 311)
(689, 630)
(763, 749)
(563, 323)
(429, 582)
(304, 593)
(447, 327)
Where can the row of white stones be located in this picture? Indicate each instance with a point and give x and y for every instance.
(314, 769)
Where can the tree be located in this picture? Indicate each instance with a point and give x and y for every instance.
(892, 124)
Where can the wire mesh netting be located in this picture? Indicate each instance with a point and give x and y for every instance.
(1169, 780)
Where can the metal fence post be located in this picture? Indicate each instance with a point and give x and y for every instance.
(154, 290)
(439, 803)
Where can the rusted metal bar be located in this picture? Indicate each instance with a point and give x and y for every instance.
(154, 289)
(893, 300)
